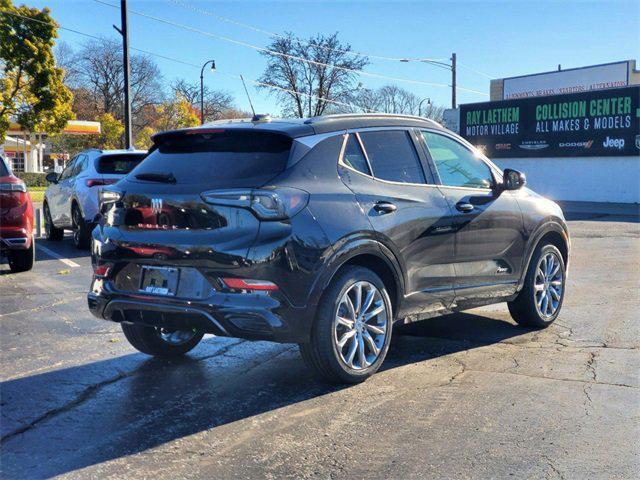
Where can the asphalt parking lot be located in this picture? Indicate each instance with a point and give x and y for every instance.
(470, 395)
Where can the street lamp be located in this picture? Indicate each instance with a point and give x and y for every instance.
(420, 106)
(449, 66)
(213, 67)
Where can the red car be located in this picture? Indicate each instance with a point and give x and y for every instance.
(16, 221)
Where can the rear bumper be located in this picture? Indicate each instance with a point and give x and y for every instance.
(15, 238)
(240, 315)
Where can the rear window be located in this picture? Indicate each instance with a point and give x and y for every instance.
(118, 164)
(203, 158)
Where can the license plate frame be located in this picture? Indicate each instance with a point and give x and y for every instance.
(162, 281)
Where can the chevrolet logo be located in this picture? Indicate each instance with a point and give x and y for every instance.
(156, 205)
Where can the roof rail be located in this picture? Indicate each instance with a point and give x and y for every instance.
(346, 116)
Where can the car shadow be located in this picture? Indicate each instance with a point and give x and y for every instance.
(158, 401)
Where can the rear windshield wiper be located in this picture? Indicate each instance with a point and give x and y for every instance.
(157, 177)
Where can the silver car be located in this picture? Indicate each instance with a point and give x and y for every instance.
(71, 200)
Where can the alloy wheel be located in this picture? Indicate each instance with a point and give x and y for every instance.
(360, 325)
(548, 285)
(76, 225)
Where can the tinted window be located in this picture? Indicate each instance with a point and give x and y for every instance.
(117, 164)
(80, 165)
(203, 158)
(354, 157)
(66, 173)
(392, 156)
(456, 164)
(4, 171)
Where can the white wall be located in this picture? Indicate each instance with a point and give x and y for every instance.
(586, 179)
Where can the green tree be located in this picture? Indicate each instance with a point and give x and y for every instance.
(31, 87)
(112, 131)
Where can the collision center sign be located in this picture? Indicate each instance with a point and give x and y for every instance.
(575, 80)
(595, 123)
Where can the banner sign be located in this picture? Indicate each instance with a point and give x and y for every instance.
(596, 123)
(561, 82)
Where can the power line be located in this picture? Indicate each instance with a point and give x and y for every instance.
(286, 55)
(476, 71)
(277, 35)
(231, 75)
(431, 61)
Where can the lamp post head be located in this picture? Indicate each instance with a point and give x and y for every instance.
(213, 65)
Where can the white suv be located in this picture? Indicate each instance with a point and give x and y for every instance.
(71, 200)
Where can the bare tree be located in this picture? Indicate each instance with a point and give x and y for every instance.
(304, 71)
(97, 76)
(393, 99)
(217, 103)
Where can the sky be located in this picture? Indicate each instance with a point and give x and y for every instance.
(491, 38)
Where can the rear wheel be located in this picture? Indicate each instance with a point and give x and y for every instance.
(50, 231)
(22, 260)
(352, 331)
(539, 302)
(81, 230)
(161, 342)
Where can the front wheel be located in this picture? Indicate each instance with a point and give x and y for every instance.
(81, 230)
(51, 232)
(539, 302)
(161, 342)
(352, 330)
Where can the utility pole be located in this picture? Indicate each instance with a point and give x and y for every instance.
(213, 67)
(124, 31)
(453, 80)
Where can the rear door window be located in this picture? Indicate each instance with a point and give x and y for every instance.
(117, 164)
(4, 171)
(354, 157)
(202, 158)
(392, 156)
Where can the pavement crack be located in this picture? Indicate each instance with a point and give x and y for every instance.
(85, 395)
(591, 365)
(553, 467)
(89, 393)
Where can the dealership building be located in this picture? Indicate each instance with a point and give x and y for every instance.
(575, 133)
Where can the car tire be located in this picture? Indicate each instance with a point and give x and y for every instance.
(345, 345)
(539, 302)
(22, 260)
(81, 229)
(50, 231)
(159, 342)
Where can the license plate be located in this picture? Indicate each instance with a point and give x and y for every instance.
(159, 280)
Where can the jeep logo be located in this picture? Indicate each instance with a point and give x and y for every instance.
(613, 143)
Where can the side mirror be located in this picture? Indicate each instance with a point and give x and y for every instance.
(52, 177)
(513, 179)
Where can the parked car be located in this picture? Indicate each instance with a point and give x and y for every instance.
(323, 232)
(16, 221)
(71, 200)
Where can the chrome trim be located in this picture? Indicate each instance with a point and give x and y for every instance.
(12, 242)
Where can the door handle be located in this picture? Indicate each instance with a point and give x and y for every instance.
(464, 207)
(384, 207)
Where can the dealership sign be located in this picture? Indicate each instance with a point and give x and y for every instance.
(575, 80)
(596, 123)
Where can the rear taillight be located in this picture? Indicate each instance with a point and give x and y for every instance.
(101, 270)
(249, 284)
(95, 182)
(266, 204)
(13, 187)
(106, 197)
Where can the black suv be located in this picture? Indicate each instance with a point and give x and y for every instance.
(323, 232)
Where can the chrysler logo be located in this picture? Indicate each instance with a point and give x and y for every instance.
(156, 205)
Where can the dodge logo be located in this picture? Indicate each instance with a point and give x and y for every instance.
(156, 205)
